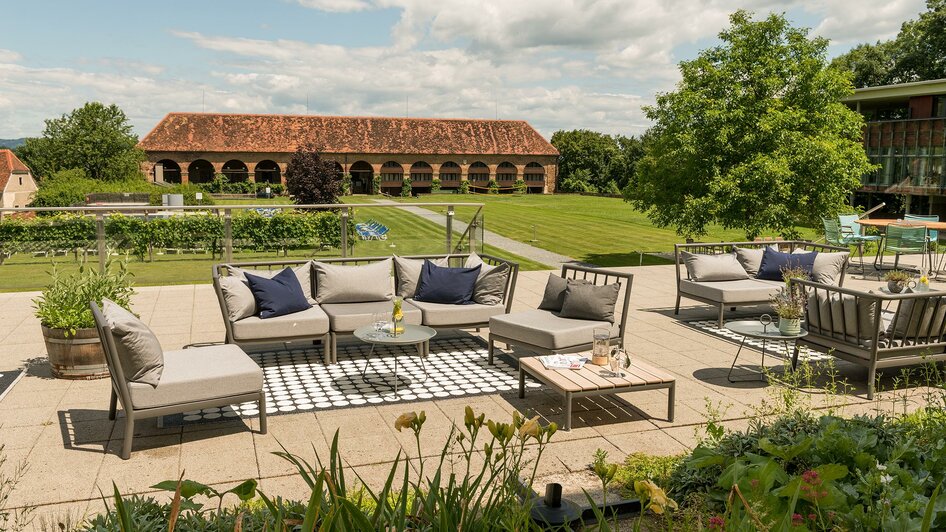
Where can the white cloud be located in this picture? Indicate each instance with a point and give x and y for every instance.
(9, 56)
(848, 22)
(337, 6)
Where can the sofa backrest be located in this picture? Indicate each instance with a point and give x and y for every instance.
(718, 248)
(601, 277)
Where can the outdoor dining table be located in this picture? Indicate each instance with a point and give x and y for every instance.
(882, 223)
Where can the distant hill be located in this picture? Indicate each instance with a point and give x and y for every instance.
(11, 143)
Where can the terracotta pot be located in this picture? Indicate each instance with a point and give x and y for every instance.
(75, 357)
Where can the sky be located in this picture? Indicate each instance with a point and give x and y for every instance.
(559, 64)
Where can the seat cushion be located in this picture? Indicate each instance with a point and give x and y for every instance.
(309, 322)
(346, 317)
(443, 315)
(722, 267)
(547, 329)
(845, 315)
(200, 374)
(742, 291)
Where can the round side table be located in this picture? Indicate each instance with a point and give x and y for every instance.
(418, 335)
(756, 330)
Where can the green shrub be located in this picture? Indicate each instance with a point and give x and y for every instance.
(64, 303)
(407, 188)
(519, 186)
(641, 466)
(435, 185)
(346, 184)
(464, 187)
(376, 184)
(493, 187)
(68, 188)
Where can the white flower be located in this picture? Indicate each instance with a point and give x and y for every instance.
(881, 467)
(886, 478)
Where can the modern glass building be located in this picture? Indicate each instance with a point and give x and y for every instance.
(906, 135)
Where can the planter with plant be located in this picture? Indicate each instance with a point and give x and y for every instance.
(72, 342)
(897, 280)
(789, 302)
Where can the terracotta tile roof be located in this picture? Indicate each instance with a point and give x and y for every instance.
(9, 163)
(214, 132)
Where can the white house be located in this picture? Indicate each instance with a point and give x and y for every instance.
(16, 181)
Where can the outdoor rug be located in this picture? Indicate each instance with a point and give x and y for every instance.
(298, 381)
(8, 379)
(773, 348)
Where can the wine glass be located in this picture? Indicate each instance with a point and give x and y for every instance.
(618, 360)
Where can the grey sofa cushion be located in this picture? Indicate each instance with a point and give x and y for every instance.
(924, 322)
(585, 301)
(751, 258)
(547, 329)
(490, 287)
(303, 274)
(200, 374)
(554, 296)
(842, 314)
(139, 350)
(723, 267)
(742, 291)
(444, 315)
(827, 267)
(346, 317)
(237, 297)
(353, 284)
(408, 273)
(309, 322)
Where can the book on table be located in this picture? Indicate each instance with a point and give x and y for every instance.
(563, 361)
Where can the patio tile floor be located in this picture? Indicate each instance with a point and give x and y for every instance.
(61, 428)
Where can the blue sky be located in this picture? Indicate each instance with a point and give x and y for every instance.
(560, 64)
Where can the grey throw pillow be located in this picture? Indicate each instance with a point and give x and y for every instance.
(353, 284)
(554, 295)
(490, 287)
(924, 322)
(139, 351)
(408, 273)
(843, 315)
(723, 267)
(750, 259)
(238, 298)
(586, 301)
(303, 274)
(827, 267)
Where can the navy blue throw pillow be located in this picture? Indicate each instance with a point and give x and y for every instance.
(278, 296)
(438, 284)
(774, 261)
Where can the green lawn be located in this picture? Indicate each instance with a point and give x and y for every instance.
(602, 231)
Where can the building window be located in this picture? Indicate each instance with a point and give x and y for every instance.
(939, 107)
(506, 173)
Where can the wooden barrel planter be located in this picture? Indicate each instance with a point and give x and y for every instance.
(75, 357)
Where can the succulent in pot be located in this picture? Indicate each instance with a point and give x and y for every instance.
(897, 280)
(72, 341)
(789, 302)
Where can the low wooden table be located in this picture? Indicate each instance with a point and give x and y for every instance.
(596, 380)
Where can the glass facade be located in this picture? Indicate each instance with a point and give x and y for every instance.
(912, 155)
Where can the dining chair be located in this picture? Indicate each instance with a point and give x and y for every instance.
(853, 233)
(903, 239)
(932, 236)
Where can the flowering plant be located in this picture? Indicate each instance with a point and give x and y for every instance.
(789, 301)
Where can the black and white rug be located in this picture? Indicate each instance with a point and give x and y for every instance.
(8, 379)
(298, 380)
(778, 349)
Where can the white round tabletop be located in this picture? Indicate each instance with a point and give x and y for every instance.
(755, 329)
(413, 334)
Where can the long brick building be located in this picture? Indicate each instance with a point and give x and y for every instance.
(193, 147)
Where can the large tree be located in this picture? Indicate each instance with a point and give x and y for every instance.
(755, 136)
(870, 64)
(590, 161)
(310, 179)
(94, 138)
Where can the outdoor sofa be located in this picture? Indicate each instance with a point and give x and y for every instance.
(717, 284)
(874, 330)
(346, 298)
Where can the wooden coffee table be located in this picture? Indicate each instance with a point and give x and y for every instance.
(596, 380)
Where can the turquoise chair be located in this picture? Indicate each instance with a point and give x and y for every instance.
(933, 237)
(852, 233)
(903, 239)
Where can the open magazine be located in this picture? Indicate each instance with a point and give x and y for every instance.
(563, 361)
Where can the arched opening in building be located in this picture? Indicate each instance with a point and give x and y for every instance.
(449, 175)
(268, 172)
(167, 171)
(235, 171)
(361, 178)
(392, 176)
(478, 175)
(422, 175)
(535, 177)
(200, 171)
(506, 174)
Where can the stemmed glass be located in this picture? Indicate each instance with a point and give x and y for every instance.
(378, 321)
(618, 360)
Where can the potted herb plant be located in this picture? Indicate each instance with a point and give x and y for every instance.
(789, 302)
(897, 280)
(72, 341)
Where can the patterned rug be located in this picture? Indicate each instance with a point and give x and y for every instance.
(8, 379)
(776, 349)
(298, 381)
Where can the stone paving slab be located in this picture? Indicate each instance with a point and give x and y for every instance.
(60, 428)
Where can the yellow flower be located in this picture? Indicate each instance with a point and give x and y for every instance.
(529, 428)
(655, 496)
(404, 421)
(924, 279)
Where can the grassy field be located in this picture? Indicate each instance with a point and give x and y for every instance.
(602, 231)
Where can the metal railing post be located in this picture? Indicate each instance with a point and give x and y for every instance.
(450, 214)
(472, 237)
(227, 235)
(100, 240)
(344, 225)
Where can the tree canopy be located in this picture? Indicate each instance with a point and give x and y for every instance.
(755, 136)
(94, 138)
(918, 52)
(310, 179)
(590, 161)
